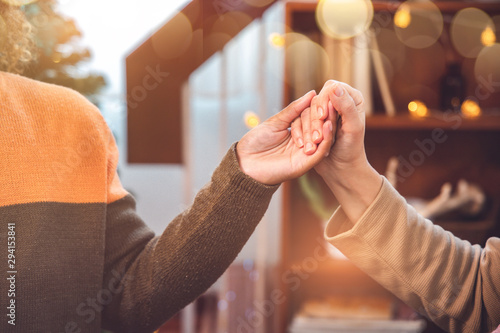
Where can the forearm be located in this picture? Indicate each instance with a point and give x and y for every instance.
(355, 188)
(452, 282)
(196, 248)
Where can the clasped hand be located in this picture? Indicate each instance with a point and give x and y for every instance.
(325, 131)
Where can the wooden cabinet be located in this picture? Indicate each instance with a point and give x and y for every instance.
(443, 147)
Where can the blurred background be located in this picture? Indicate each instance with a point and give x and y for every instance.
(179, 81)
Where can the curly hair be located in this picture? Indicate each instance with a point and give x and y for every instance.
(16, 39)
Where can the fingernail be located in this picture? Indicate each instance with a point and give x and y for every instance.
(315, 135)
(309, 146)
(330, 126)
(301, 142)
(339, 91)
(327, 154)
(321, 112)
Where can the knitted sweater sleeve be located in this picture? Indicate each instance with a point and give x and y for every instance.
(152, 278)
(454, 283)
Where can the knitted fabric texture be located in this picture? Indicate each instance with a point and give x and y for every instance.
(454, 283)
(84, 260)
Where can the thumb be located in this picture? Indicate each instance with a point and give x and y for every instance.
(292, 111)
(353, 117)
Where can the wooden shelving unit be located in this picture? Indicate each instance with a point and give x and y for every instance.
(445, 121)
(470, 151)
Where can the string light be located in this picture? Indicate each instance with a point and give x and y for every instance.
(470, 109)
(470, 30)
(418, 23)
(418, 109)
(277, 40)
(251, 119)
(402, 18)
(488, 36)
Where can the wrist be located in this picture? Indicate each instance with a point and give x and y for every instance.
(250, 167)
(355, 187)
(345, 175)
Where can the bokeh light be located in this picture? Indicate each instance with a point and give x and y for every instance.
(254, 275)
(418, 23)
(488, 37)
(277, 40)
(215, 42)
(343, 19)
(402, 18)
(470, 109)
(307, 63)
(259, 3)
(252, 120)
(231, 296)
(231, 23)
(418, 109)
(466, 30)
(222, 305)
(169, 45)
(487, 67)
(248, 265)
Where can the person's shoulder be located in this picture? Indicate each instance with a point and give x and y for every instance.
(53, 101)
(47, 94)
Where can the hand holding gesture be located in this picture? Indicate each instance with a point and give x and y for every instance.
(346, 170)
(268, 154)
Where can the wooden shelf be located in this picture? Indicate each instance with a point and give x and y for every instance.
(468, 150)
(443, 121)
(444, 6)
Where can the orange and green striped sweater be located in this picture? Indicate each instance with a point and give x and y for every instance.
(74, 255)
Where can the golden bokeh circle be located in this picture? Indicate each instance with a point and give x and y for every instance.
(418, 23)
(418, 109)
(174, 38)
(470, 109)
(252, 120)
(277, 40)
(307, 63)
(402, 18)
(468, 30)
(488, 36)
(487, 68)
(343, 19)
(231, 23)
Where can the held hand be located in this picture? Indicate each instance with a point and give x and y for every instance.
(309, 132)
(268, 154)
(349, 150)
(344, 104)
(346, 170)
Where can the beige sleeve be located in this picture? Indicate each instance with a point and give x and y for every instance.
(454, 283)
